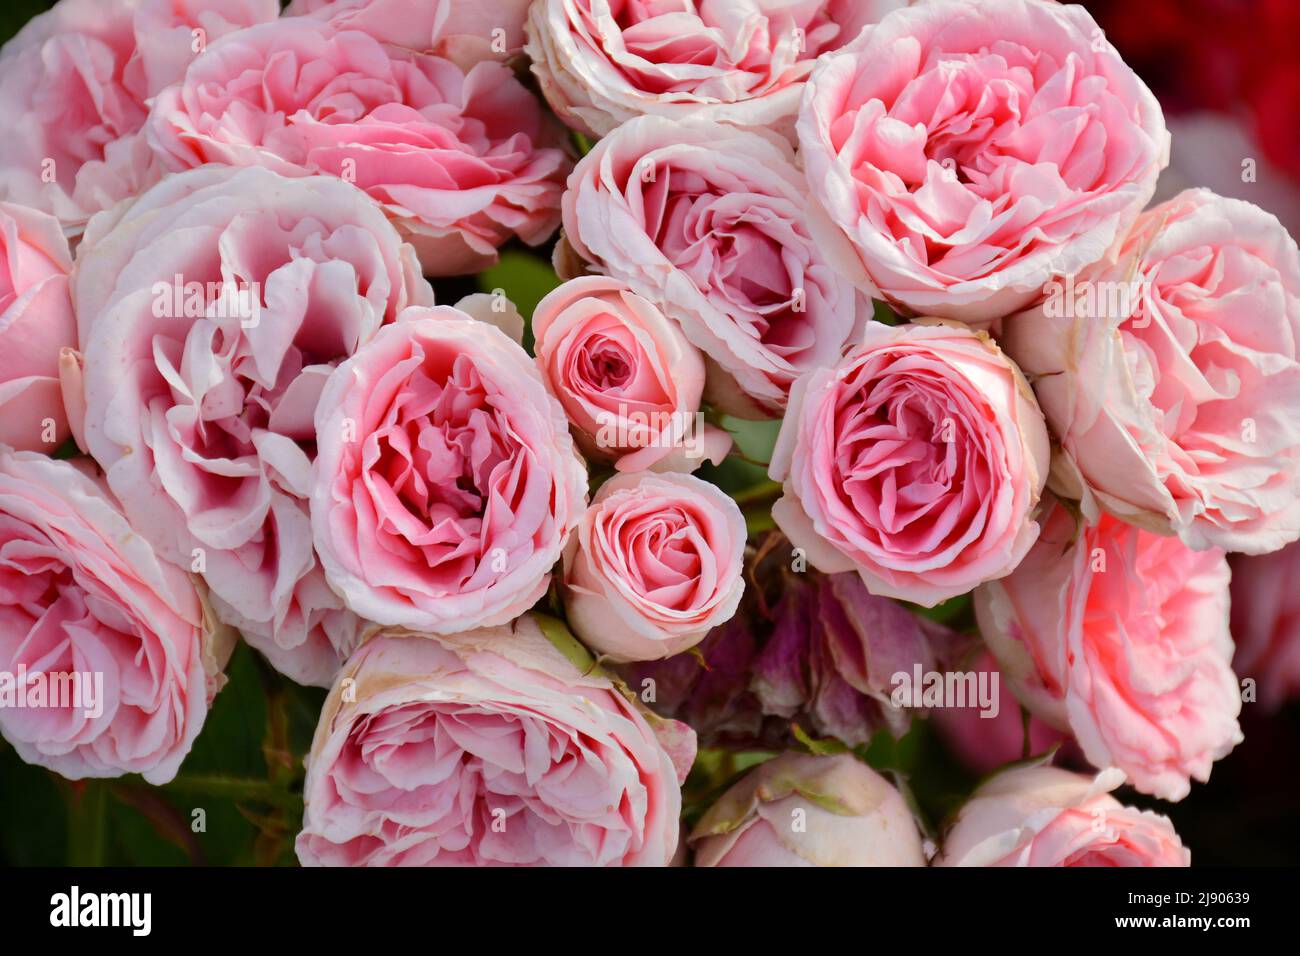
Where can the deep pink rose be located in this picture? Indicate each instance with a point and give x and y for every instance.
(212, 310)
(74, 84)
(1172, 378)
(656, 563)
(486, 749)
(118, 643)
(1121, 637)
(461, 161)
(712, 224)
(972, 151)
(36, 322)
(917, 461)
(1266, 624)
(446, 482)
(628, 380)
(1044, 816)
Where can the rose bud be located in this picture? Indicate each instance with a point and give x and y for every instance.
(1172, 378)
(1266, 624)
(1045, 816)
(972, 151)
(109, 658)
(916, 461)
(1121, 637)
(445, 483)
(804, 810)
(655, 564)
(488, 748)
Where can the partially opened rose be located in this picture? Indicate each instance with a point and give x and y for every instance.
(488, 748)
(713, 225)
(1121, 637)
(603, 62)
(212, 310)
(1045, 816)
(36, 322)
(1172, 377)
(117, 643)
(916, 461)
(656, 563)
(74, 84)
(628, 380)
(972, 151)
(804, 810)
(445, 484)
(1266, 624)
(461, 161)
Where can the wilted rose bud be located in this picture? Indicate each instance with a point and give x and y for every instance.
(806, 810)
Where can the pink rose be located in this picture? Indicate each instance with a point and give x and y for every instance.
(656, 564)
(109, 659)
(601, 63)
(1266, 624)
(712, 225)
(446, 483)
(917, 461)
(1121, 637)
(626, 377)
(36, 322)
(461, 161)
(1044, 816)
(1172, 377)
(802, 810)
(972, 151)
(212, 310)
(463, 31)
(486, 749)
(75, 81)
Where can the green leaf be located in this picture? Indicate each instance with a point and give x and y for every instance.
(525, 279)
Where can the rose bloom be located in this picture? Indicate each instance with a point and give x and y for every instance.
(461, 161)
(73, 87)
(1173, 377)
(852, 817)
(36, 322)
(212, 310)
(1121, 637)
(626, 376)
(1266, 623)
(971, 151)
(446, 482)
(917, 461)
(656, 563)
(1045, 816)
(486, 749)
(84, 599)
(712, 225)
(460, 31)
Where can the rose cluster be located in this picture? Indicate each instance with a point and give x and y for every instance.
(540, 560)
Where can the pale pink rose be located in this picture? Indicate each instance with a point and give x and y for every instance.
(712, 224)
(212, 310)
(803, 810)
(1121, 637)
(36, 323)
(628, 380)
(464, 31)
(74, 84)
(603, 62)
(446, 483)
(1172, 378)
(486, 749)
(972, 151)
(657, 562)
(461, 161)
(117, 643)
(1266, 624)
(1045, 816)
(917, 461)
